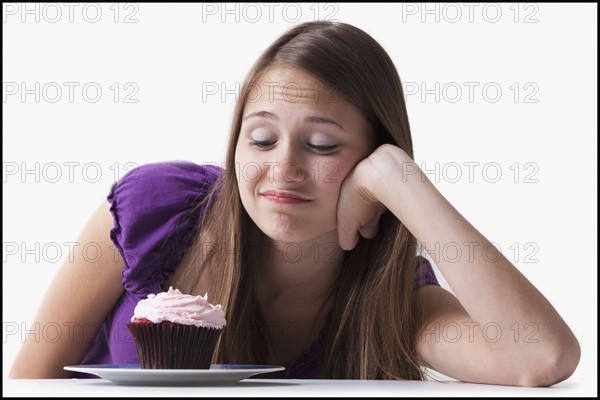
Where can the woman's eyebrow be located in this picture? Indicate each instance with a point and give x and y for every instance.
(262, 114)
(315, 119)
(322, 120)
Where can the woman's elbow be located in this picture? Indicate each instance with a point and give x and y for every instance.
(26, 370)
(18, 372)
(557, 366)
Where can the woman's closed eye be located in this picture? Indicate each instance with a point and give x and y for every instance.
(263, 144)
(323, 149)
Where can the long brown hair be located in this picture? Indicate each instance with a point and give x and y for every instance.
(373, 319)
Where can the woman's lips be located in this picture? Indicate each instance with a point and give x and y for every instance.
(284, 197)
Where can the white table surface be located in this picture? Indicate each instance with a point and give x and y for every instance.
(278, 387)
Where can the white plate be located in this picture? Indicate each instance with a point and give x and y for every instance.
(132, 374)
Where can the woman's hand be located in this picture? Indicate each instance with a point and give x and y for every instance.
(359, 208)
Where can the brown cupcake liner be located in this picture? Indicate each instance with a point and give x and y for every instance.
(173, 346)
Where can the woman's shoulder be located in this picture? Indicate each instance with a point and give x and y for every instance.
(156, 214)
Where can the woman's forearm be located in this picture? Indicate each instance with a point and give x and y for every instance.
(490, 288)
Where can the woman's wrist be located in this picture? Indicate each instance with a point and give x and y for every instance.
(391, 173)
(402, 187)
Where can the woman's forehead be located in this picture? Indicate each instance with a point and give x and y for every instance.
(292, 85)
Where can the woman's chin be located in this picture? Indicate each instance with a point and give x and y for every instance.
(283, 229)
(288, 236)
(298, 236)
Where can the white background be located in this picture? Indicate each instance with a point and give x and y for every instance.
(173, 54)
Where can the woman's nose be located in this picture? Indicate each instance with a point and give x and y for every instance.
(285, 167)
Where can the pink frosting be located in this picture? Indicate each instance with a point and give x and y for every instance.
(181, 309)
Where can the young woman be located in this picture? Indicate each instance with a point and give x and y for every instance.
(309, 239)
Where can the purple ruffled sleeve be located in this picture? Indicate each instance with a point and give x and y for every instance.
(155, 215)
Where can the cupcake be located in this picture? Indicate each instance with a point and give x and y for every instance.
(176, 331)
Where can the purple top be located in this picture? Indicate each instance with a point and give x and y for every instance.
(155, 220)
